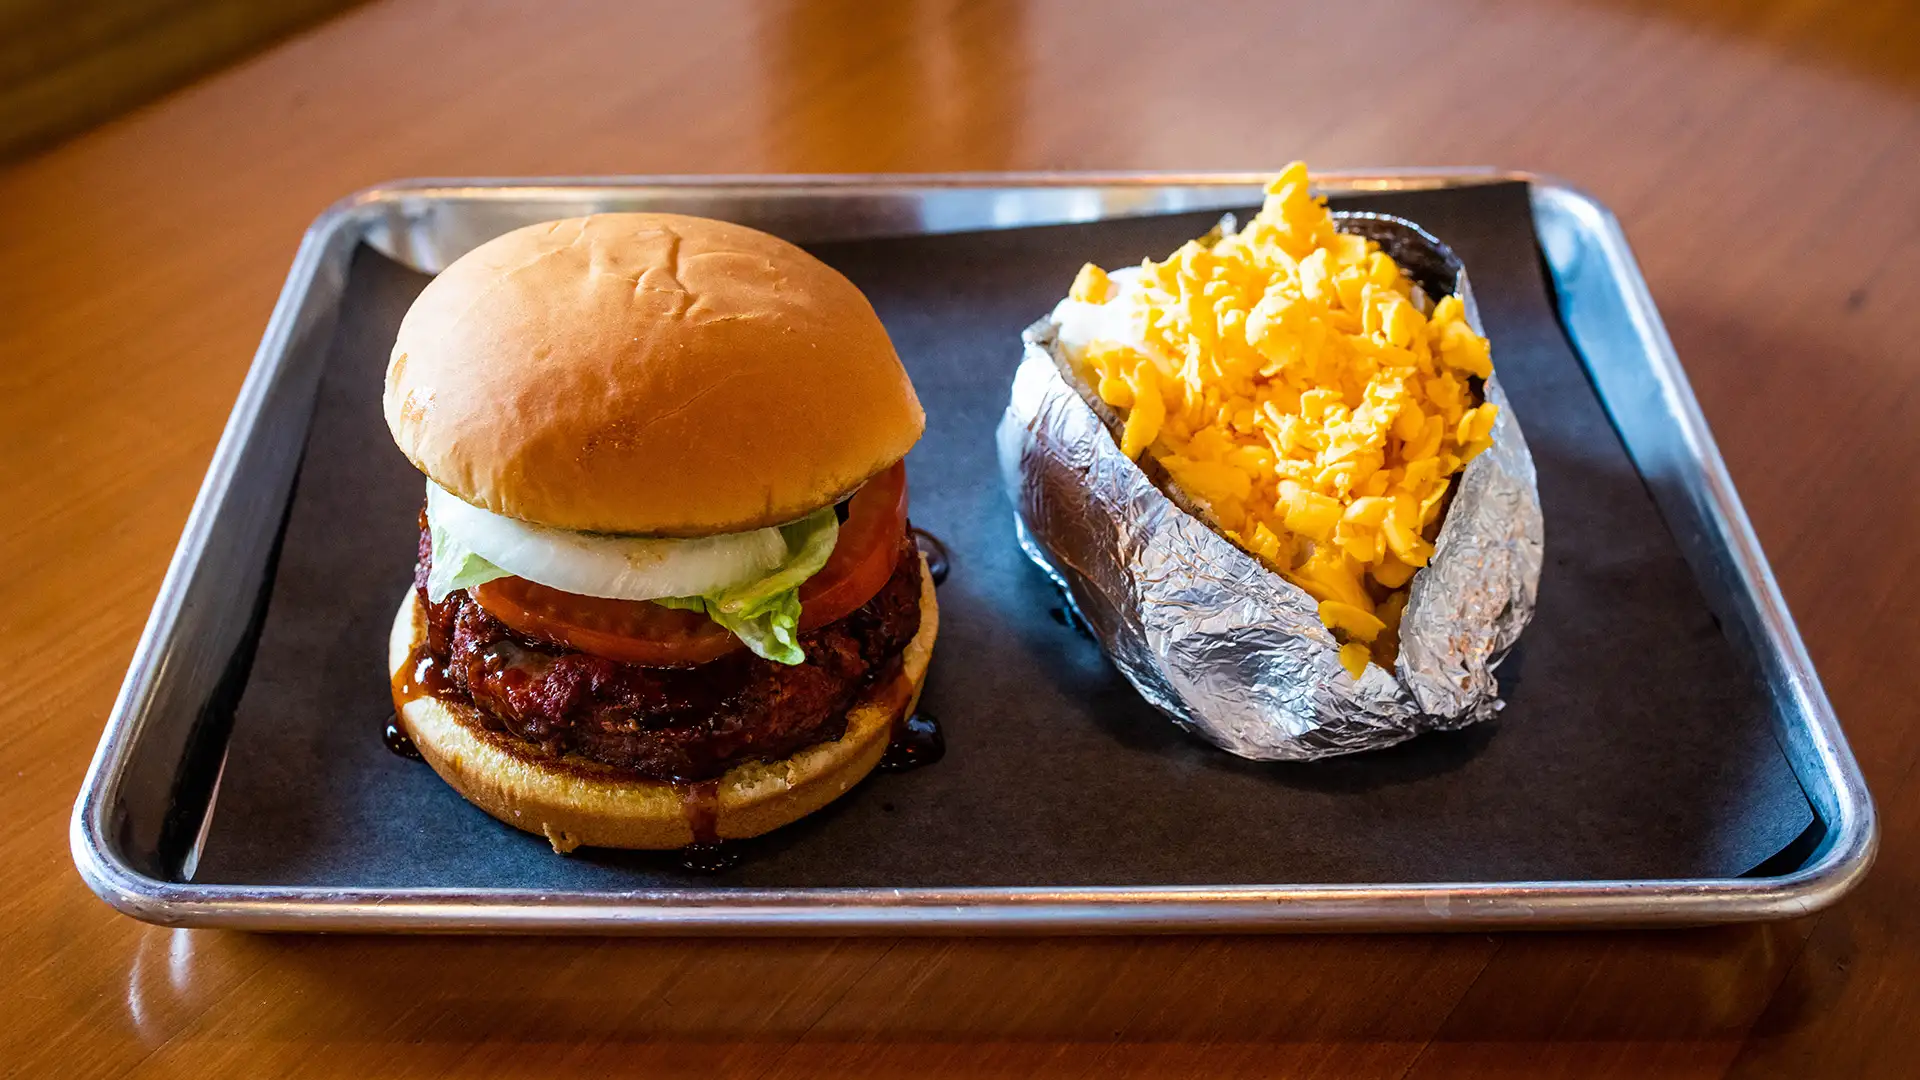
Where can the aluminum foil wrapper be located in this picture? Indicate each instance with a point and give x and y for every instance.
(1230, 650)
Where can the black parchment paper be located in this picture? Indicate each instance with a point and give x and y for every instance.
(1634, 744)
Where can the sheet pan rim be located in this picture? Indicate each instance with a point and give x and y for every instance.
(1842, 859)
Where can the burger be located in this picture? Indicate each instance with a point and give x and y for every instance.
(666, 592)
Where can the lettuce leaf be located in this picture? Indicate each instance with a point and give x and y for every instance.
(456, 566)
(765, 614)
(770, 629)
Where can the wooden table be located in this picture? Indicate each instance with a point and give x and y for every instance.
(1766, 163)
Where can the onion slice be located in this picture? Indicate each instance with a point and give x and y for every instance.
(602, 564)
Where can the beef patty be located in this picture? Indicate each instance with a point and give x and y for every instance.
(679, 724)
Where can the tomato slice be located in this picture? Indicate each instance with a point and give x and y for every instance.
(863, 556)
(630, 631)
(639, 632)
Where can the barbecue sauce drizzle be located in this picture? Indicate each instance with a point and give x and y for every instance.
(708, 854)
(398, 742)
(419, 677)
(917, 741)
(934, 550)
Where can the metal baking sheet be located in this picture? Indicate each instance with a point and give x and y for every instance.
(241, 781)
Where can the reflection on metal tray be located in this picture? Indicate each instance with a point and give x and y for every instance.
(148, 802)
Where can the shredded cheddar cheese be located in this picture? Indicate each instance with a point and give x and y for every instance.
(1288, 381)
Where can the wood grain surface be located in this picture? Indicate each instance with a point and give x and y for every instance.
(1765, 159)
(65, 67)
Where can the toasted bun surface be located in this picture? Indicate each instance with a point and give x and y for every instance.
(575, 802)
(647, 373)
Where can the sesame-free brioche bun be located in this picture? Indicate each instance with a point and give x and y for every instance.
(650, 374)
(574, 802)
